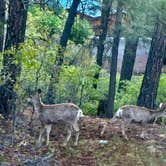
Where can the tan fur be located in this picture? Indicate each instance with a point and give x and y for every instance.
(131, 113)
(49, 115)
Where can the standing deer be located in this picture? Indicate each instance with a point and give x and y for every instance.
(49, 115)
(137, 114)
(130, 113)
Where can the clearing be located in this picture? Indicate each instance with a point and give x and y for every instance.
(111, 149)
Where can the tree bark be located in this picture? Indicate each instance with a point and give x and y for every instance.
(113, 67)
(2, 22)
(105, 13)
(16, 26)
(128, 61)
(51, 93)
(148, 91)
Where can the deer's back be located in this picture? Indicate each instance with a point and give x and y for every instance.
(134, 113)
(66, 112)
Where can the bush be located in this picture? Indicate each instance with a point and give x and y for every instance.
(130, 94)
(161, 97)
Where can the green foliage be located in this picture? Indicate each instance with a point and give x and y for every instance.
(42, 24)
(80, 31)
(161, 97)
(38, 53)
(141, 16)
(138, 23)
(76, 85)
(158, 10)
(103, 84)
(37, 62)
(130, 94)
(70, 82)
(76, 81)
(2, 158)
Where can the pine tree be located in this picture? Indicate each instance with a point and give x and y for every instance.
(113, 66)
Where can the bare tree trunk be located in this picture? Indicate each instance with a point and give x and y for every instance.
(2, 22)
(128, 61)
(113, 67)
(51, 93)
(148, 91)
(105, 13)
(16, 26)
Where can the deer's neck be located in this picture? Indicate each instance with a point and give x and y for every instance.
(38, 106)
(157, 114)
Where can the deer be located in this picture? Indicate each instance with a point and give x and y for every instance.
(52, 114)
(136, 114)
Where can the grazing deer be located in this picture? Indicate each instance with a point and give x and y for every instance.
(49, 115)
(130, 113)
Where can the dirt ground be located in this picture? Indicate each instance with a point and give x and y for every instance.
(111, 149)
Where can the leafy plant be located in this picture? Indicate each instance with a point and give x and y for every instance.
(81, 31)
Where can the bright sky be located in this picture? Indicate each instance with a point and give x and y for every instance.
(67, 3)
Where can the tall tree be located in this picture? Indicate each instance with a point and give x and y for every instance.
(105, 13)
(16, 25)
(128, 60)
(2, 22)
(148, 91)
(113, 67)
(51, 94)
(135, 27)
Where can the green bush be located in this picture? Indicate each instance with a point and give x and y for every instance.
(81, 31)
(161, 97)
(130, 94)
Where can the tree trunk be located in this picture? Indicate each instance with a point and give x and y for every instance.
(105, 13)
(128, 61)
(51, 93)
(148, 91)
(102, 107)
(16, 26)
(113, 67)
(2, 22)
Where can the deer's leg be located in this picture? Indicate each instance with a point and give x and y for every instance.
(48, 130)
(124, 125)
(123, 131)
(143, 134)
(69, 129)
(40, 136)
(76, 129)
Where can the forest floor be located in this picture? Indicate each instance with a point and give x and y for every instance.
(111, 149)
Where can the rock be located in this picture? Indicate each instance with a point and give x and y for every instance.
(103, 142)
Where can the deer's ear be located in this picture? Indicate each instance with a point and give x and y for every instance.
(39, 91)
